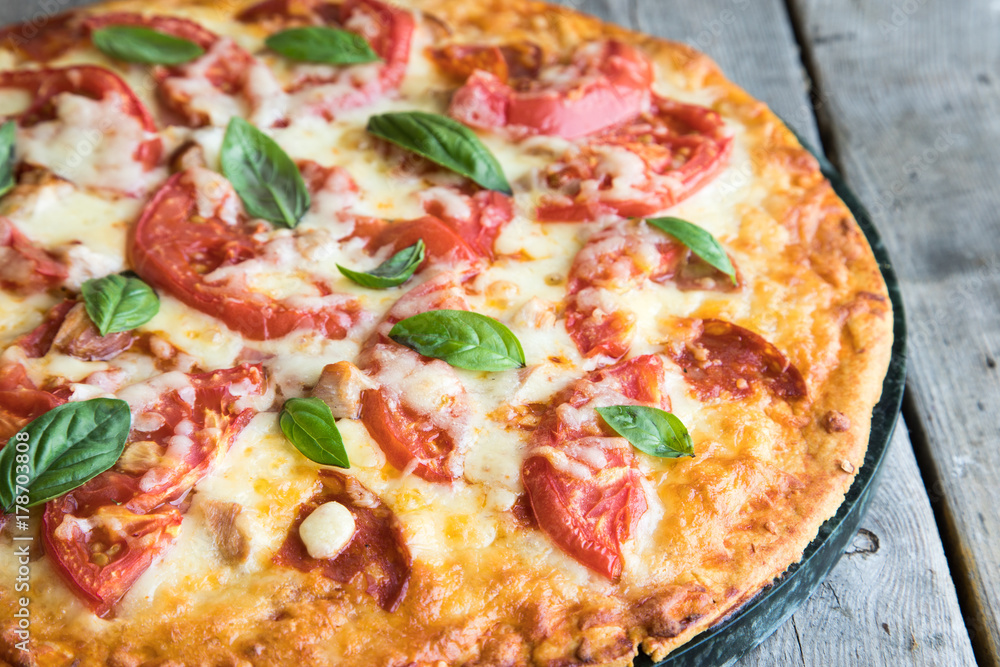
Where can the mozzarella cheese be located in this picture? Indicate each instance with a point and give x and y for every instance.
(327, 530)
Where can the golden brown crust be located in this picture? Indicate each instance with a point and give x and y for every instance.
(739, 514)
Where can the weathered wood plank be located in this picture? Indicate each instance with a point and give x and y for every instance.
(913, 93)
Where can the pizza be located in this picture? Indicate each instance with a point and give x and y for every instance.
(430, 333)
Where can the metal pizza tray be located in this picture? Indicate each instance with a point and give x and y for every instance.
(724, 643)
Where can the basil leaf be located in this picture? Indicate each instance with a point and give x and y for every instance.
(443, 141)
(8, 131)
(318, 44)
(650, 430)
(463, 339)
(309, 425)
(65, 447)
(699, 241)
(119, 303)
(135, 44)
(392, 272)
(263, 175)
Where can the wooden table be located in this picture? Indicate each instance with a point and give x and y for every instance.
(904, 97)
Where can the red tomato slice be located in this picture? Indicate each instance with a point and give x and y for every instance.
(443, 244)
(679, 148)
(56, 35)
(194, 426)
(90, 81)
(125, 521)
(407, 437)
(726, 358)
(615, 260)
(590, 510)
(376, 558)
(20, 400)
(609, 85)
(101, 551)
(172, 248)
(489, 213)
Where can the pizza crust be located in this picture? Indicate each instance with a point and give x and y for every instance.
(767, 473)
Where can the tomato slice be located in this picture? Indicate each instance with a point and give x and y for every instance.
(617, 259)
(590, 503)
(20, 400)
(426, 441)
(376, 558)
(103, 535)
(89, 81)
(175, 244)
(100, 549)
(193, 423)
(58, 34)
(724, 358)
(606, 84)
(652, 163)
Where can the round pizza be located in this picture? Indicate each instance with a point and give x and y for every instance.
(353, 333)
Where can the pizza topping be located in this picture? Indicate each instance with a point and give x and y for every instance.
(700, 242)
(319, 44)
(308, 424)
(723, 357)
(605, 84)
(585, 490)
(392, 272)
(263, 175)
(57, 34)
(621, 257)
(24, 267)
(118, 303)
(442, 141)
(377, 551)
(650, 430)
(462, 338)
(222, 519)
(182, 245)
(658, 159)
(135, 44)
(8, 131)
(78, 337)
(517, 60)
(92, 115)
(327, 531)
(340, 386)
(67, 446)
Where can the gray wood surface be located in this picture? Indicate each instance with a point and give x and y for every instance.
(913, 93)
(891, 600)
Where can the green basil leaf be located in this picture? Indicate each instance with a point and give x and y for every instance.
(462, 338)
(135, 44)
(650, 430)
(318, 44)
(699, 241)
(392, 272)
(443, 141)
(65, 447)
(8, 132)
(119, 303)
(263, 175)
(309, 425)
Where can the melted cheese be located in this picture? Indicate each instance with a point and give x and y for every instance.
(328, 530)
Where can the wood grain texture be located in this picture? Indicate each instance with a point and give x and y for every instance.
(905, 583)
(913, 93)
